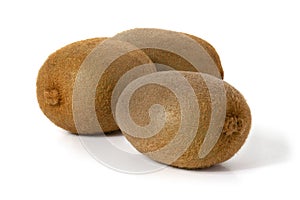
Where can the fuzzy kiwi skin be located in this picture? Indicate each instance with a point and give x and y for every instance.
(168, 58)
(57, 76)
(235, 130)
(180, 64)
(211, 51)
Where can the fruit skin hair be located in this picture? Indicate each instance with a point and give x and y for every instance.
(56, 78)
(141, 36)
(233, 135)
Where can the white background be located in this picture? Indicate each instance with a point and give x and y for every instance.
(258, 42)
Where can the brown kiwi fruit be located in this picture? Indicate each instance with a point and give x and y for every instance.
(194, 106)
(56, 78)
(164, 47)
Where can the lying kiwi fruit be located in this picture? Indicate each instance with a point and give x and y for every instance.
(184, 119)
(57, 77)
(177, 51)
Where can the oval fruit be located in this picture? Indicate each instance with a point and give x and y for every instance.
(84, 74)
(175, 50)
(184, 119)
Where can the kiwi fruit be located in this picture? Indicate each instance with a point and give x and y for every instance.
(177, 51)
(184, 119)
(56, 82)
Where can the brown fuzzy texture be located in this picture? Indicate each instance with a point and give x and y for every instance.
(211, 51)
(235, 131)
(168, 58)
(57, 76)
(177, 62)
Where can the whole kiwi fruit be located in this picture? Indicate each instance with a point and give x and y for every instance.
(57, 77)
(184, 119)
(175, 50)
